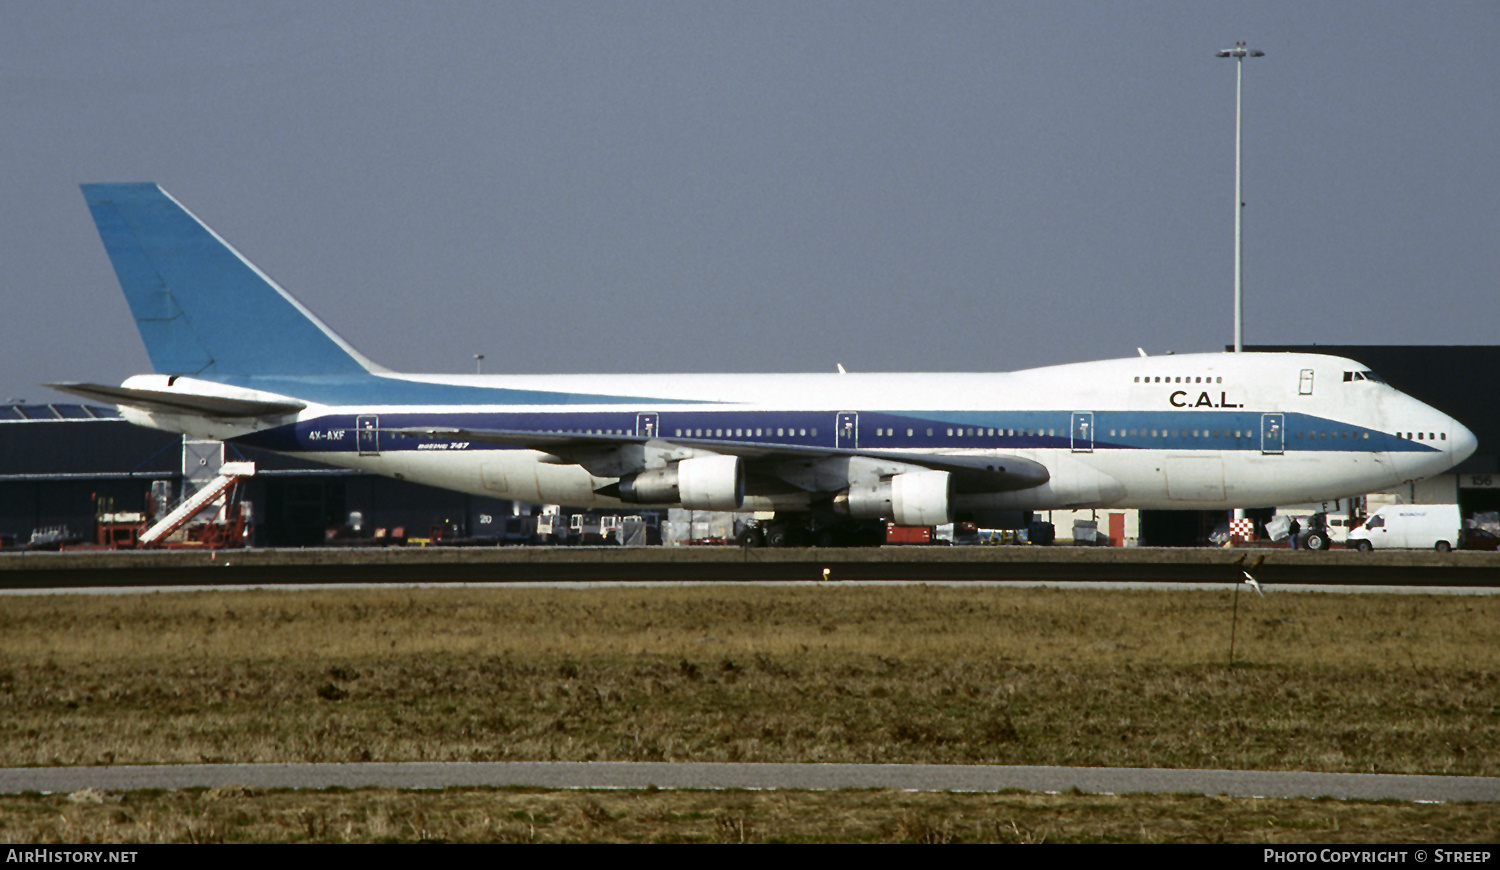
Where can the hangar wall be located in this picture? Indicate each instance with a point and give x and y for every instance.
(58, 461)
(1458, 380)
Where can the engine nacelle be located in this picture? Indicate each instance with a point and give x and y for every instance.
(708, 483)
(916, 498)
(922, 498)
(712, 483)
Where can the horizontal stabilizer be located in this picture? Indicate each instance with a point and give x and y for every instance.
(179, 403)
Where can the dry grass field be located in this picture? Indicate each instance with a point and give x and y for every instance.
(520, 816)
(1357, 683)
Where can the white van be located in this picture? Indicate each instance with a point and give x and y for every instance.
(1414, 526)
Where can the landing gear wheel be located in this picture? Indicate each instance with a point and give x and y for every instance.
(778, 536)
(1315, 541)
(750, 538)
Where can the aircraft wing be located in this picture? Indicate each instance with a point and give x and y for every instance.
(179, 403)
(549, 442)
(971, 472)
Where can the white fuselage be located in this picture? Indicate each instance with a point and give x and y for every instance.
(1198, 431)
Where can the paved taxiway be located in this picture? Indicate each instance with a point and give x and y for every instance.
(1330, 589)
(731, 564)
(639, 775)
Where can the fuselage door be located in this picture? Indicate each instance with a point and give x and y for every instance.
(1272, 433)
(368, 428)
(1083, 431)
(645, 425)
(1304, 383)
(846, 430)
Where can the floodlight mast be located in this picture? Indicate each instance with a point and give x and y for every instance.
(1239, 53)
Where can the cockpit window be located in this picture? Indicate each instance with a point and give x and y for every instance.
(1371, 376)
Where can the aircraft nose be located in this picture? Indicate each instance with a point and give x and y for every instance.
(1461, 443)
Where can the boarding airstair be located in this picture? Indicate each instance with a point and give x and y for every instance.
(230, 473)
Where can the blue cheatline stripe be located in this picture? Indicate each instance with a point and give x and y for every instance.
(201, 308)
(1178, 430)
(1003, 431)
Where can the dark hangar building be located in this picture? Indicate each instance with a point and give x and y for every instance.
(60, 462)
(1462, 381)
(1458, 380)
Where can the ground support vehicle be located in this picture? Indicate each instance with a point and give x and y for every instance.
(1409, 526)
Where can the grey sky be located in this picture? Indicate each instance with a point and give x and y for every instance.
(763, 186)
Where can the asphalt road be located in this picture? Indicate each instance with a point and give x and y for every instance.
(638, 775)
(74, 569)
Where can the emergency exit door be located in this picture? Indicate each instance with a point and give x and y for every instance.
(1083, 431)
(368, 429)
(1272, 433)
(847, 430)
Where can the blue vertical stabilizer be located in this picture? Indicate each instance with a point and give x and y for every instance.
(201, 307)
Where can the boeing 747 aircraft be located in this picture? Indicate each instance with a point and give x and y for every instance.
(236, 358)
